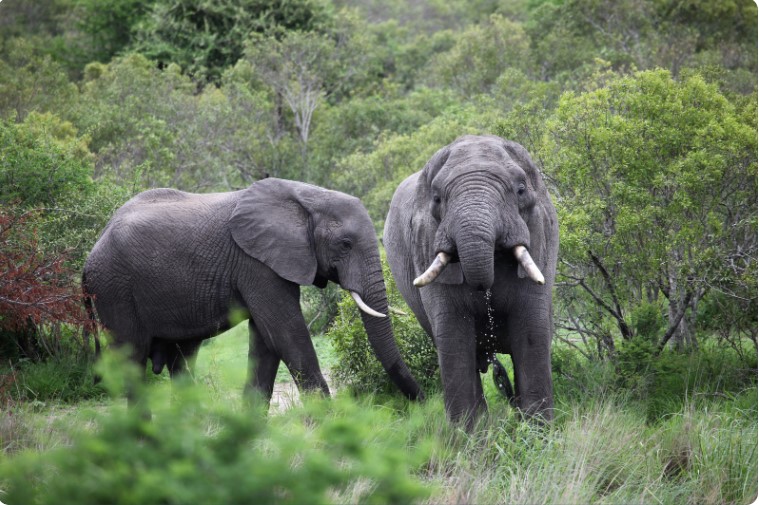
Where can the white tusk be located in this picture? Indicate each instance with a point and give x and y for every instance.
(437, 266)
(363, 306)
(524, 259)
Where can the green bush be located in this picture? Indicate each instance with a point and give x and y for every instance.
(197, 450)
(68, 378)
(319, 306)
(576, 378)
(663, 380)
(657, 383)
(44, 162)
(648, 321)
(358, 367)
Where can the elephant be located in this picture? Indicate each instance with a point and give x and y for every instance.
(472, 242)
(170, 267)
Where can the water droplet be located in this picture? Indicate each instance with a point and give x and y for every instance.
(490, 328)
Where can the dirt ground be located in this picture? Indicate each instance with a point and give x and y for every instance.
(286, 395)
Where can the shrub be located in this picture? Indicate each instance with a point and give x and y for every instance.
(648, 321)
(37, 300)
(319, 306)
(67, 378)
(196, 450)
(656, 383)
(357, 366)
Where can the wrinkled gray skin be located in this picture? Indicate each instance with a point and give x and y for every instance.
(170, 266)
(476, 199)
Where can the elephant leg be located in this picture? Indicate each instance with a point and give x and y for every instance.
(462, 386)
(280, 321)
(532, 372)
(303, 363)
(263, 363)
(516, 381)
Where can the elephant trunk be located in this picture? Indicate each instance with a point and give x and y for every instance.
(381, 338)
(477, 263)
(476, 248)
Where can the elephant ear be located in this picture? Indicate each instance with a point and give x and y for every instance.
(522, 158)
(538, 220)
(272, 223)
(536, 223)
(424, 225)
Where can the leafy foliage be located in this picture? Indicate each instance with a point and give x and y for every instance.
(658, 189)
(162, 133)
(34, 291)
(49, 200)
(196, 449)
(43, 162)
(108, 26)
(64, 378)
(357, 365)
(31, 80)
(480, 54)
(204, 37)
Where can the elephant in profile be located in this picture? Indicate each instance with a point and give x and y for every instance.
(472, 242)
(171, 266)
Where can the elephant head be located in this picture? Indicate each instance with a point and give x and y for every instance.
(477, 198)
(310, 235)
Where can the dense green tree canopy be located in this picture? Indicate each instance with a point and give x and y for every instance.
(657, 189)
(642, 115)
(204, 37)
(44, 163)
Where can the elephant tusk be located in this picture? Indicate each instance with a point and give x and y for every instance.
(363, 306)
(524, 259)
(396, 311)
(437, 266)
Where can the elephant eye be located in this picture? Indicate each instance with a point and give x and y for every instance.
(521, 189)
(347, 244)
(436, 199)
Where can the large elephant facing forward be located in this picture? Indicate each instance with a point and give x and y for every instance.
(170, 267)
(472, 242)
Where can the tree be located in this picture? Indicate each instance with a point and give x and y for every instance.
(32, 17)
(206, 36)
(43, 162)
(303, 69)
(657, 199)
(108, 26)
(642, 34)
(151, 128)
(31, 80)
(481, 53)
(44, 166)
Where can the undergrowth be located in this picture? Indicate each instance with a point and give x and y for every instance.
(644, 428)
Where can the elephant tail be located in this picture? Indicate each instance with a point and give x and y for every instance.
(502, 382)
(90, 325)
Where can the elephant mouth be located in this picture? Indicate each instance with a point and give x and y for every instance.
(519, 253)
(502, 253)
(453, 255)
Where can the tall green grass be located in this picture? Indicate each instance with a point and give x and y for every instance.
(68, 379)
(671, 430)
(603, 451)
